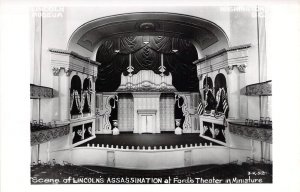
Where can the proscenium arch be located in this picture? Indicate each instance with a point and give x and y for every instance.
(86, 39)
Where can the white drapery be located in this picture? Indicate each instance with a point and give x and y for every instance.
(85, 96)
(166, 107)
(75, 98)
(125, 112)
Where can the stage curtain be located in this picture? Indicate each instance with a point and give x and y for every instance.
(167, 117)
(146, 57)
(125, 112)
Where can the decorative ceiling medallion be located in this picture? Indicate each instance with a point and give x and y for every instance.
(147, 26)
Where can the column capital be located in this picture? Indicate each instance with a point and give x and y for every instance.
(55, 71)
(228, 69)
(68, 71)
(94, 77)
(200, 77)
(242, 68)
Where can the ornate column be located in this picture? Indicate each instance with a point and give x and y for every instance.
(62, 102)
(236, 69)
(233, 91)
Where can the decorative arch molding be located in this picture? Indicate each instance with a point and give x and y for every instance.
(89, 34)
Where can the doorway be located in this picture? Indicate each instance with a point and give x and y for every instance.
(147, 121)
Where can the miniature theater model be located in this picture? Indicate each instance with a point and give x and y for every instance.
(149, 82)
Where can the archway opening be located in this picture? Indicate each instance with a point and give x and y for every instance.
(75, 95)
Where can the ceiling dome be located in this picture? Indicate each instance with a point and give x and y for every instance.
(199, 31)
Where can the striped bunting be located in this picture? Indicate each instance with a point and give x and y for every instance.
(200, 108)
(225, 104)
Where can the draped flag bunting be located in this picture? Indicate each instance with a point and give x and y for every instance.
(89, 100)
(225, 104)
(72, 100)
(222, 102)
(146, 57)
(82, 101)
(200, 108)
(79, 102)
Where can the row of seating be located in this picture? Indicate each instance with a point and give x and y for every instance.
(41, 125)
(53, 170)
(264, 122)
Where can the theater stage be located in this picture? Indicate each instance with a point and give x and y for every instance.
(149, 140)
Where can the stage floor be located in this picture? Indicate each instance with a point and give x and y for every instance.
(149, 140)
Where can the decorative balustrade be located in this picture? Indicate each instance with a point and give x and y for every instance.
(152, 149)
(257, 132)
(259, 89)
(46, 133)
(39, 92)
(38, 126)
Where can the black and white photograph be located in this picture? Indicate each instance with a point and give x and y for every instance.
(150, 97)
(147, 94)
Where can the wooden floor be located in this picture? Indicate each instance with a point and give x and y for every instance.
(149, 140)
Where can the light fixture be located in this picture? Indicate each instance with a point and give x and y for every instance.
(174, 47)
(130, 69)
(146, 39)
(162, 68)
(118, 47)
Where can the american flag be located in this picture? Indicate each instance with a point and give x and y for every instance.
(200, 108)
(225, 104)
